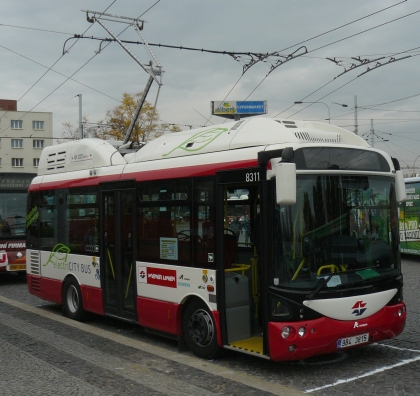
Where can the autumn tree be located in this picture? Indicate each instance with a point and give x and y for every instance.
(117, 121)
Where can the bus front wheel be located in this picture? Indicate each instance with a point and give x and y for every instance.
(72, 300)
(199, 330)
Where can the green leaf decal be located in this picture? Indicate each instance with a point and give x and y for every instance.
(59, 253)
(200, 140)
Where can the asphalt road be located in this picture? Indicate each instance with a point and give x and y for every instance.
(41, 352)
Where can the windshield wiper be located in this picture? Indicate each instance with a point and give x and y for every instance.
(312, 295)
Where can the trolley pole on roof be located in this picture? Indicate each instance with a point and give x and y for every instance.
(80, 117)
(155, 72)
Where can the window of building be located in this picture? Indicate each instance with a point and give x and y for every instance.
(36, 162)
(37, 124)
(17, 162)
(16, 124)
(0, 161)
(17, 143)
(38, 144)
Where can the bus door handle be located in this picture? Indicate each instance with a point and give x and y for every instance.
(106, 238)
(129, 241)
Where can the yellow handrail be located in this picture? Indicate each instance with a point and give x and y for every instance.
(238, 268)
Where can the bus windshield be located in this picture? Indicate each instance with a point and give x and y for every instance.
(12, 214)
(342, 230)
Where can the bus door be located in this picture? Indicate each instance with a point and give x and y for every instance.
(118, 240)
(237, 226)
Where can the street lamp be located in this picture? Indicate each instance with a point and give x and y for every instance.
(414, 166)
(328, 107)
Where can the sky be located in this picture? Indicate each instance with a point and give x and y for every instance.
(320, 40)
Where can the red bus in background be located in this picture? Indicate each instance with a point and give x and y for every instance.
(13, 195)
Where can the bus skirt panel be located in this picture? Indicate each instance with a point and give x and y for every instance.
(326, 335)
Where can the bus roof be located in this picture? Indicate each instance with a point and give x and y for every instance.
(252, 132)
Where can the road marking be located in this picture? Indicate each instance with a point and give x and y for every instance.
(373, 372)
(196, 363)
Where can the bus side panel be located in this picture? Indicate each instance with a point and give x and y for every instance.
(159, 315)
(51, 290)
(92, 299)
(34, 284)
(216, 317)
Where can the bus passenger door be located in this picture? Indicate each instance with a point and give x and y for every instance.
(118, 272)
(238, 217)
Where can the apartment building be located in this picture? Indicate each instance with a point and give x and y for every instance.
(23, 135)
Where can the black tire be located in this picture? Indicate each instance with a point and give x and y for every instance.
(199, 330)
(72, 300)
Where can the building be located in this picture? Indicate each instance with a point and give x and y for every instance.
(23, 135)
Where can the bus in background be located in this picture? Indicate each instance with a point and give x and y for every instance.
(409, 218)
(321, 272)
(13, 195)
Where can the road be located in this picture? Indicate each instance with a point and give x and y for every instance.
(42, 352)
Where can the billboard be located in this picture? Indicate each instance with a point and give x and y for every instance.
(236, 109)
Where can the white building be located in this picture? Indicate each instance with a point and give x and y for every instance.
(23, 135)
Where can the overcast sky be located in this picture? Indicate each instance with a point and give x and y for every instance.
(33, 35)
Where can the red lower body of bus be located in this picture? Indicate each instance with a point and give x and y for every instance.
(321, 335)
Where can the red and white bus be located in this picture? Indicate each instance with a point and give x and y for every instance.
(13, 194)
(144, 237)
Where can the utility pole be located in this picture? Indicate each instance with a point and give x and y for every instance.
(355, 116)
(372, 134)
(80, 117)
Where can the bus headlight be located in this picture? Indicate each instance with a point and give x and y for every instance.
(285, 332)
(302, 331)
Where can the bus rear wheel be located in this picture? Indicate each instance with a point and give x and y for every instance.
(199, 330)
(72, 300)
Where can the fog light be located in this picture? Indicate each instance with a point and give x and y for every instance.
(285, 332)
(292, 348)
(302, 331)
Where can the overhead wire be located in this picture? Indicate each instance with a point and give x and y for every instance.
(50, 68)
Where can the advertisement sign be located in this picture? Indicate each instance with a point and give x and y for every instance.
(240, 108)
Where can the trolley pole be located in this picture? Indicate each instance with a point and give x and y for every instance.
(372, 134)
(355, 115)
(80, 117)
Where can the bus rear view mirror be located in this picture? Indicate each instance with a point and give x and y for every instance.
(400, 193)
(286, 183)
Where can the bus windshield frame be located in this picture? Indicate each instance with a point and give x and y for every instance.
(342, 230)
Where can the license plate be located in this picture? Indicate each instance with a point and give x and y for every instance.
(351, 341)
(16, 267)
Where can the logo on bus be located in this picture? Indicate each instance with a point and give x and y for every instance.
(359, 308)
(3, 257)
(158, 276)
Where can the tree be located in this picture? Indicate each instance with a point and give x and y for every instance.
(118, 120)
(71, 132)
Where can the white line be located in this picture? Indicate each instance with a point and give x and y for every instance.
(400, 349)
(339, 382)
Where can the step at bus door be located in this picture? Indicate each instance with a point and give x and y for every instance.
(118, 233)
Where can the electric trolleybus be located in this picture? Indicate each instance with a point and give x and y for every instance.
(410, 218)
(145, 237)
(13, 194)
